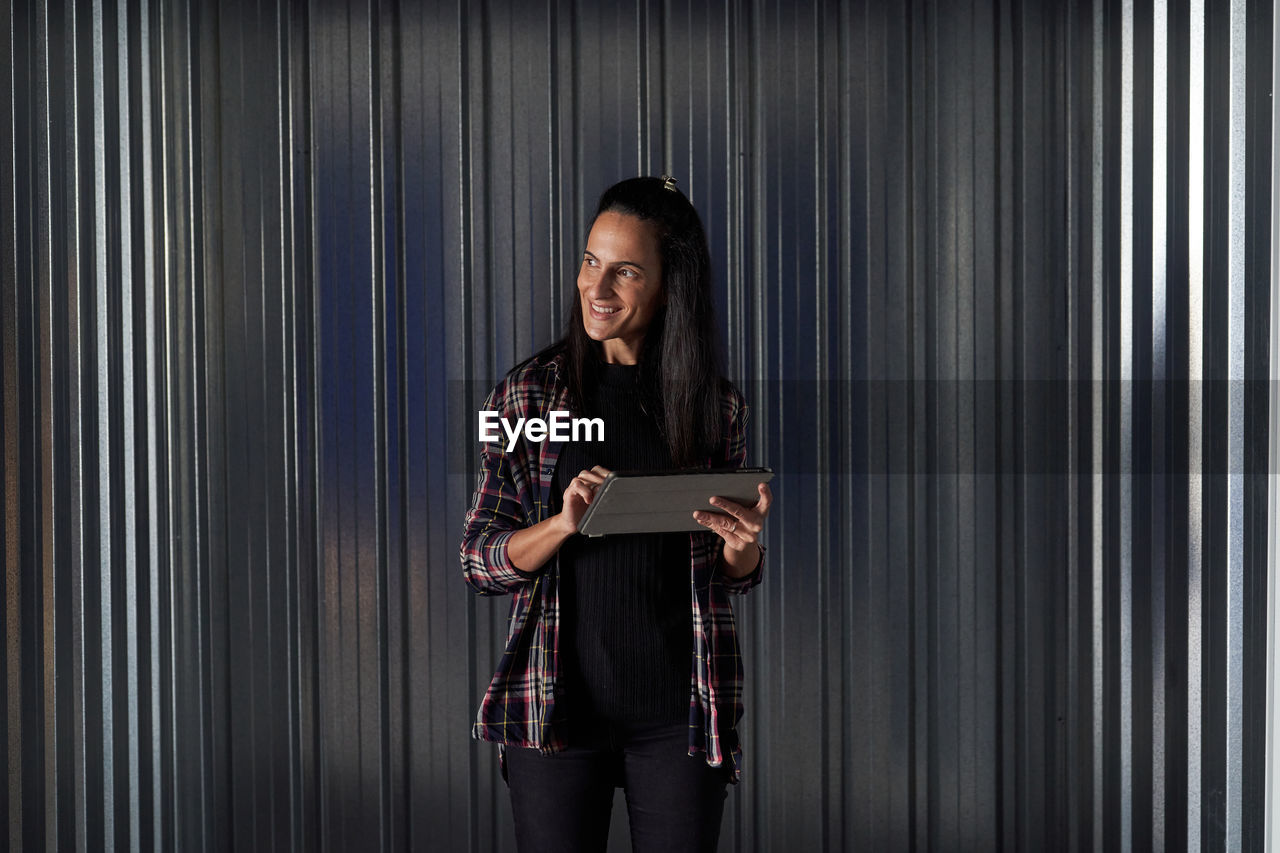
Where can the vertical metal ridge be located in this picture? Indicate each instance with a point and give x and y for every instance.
(292, 560)
(153, 551)
(1195, 453)
(642, 88)
(557, 263)
(374, 136)
(205, 434)
(1235, 358)
(822, 449)
(759, 366)
(1074, 838)
(844, 407)
(1097, 373)
(665, 94)
(102, 567)
(467, 304)
(310, 704)
(1158, 512)
(1271, 802)
(168, 365)
(75, 564)
(128, 437)
(49, 489)
(11, 811)
(1125, 496)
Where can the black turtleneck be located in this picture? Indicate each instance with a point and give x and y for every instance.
(625, 599)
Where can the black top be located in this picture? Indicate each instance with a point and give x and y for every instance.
(627, 632)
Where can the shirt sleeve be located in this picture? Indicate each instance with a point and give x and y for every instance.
(736, 411)
(495, 515)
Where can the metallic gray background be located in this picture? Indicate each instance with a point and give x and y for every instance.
(249, 249)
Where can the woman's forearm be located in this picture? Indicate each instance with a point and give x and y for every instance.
(529, 549)
(738, 564)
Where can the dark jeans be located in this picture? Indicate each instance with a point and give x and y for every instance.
(562, 801)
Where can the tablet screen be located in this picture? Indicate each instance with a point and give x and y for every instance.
(664, 501)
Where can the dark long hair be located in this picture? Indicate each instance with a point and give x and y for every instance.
(679, 376)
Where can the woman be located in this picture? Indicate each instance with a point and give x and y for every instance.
(622, 665)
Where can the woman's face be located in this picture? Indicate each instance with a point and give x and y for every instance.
(620, 284)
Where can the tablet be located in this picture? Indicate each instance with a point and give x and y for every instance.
(664, 501)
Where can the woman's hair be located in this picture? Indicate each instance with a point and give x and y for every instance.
(679, 374)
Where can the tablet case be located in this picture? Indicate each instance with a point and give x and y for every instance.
(664, 501)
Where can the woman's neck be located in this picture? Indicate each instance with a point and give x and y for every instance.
(618, 351)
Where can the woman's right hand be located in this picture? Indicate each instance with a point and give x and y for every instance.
(529, 548)
(578, 496)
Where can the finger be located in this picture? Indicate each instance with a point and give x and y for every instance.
(582, 490)
(744, 515)
(601, 470)
(766, 499)
(590, 477)
(733, 532)
(711, 521)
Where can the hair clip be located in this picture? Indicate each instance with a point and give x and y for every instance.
(668, 183)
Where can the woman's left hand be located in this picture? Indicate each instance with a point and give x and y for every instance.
(741, 527)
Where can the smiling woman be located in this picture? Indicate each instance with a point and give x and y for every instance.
(622, 665)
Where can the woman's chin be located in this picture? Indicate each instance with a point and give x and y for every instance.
(599, 332)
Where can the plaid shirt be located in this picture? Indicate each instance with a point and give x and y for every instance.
(522, 705)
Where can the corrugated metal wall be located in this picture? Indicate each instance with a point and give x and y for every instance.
(993, 275)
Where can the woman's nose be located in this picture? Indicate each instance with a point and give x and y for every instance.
(602, 286)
